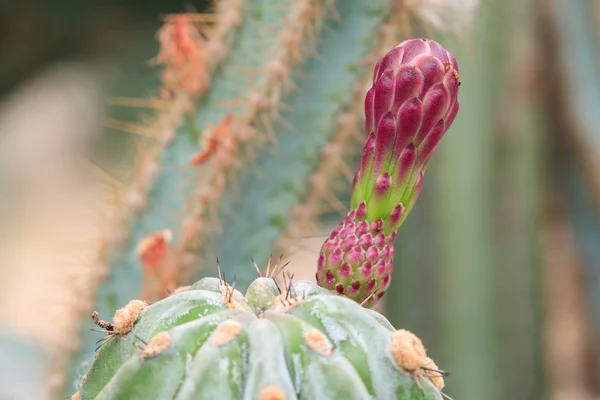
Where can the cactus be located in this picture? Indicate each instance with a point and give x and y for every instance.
(233, 83)
(303, 341)
(209, 341)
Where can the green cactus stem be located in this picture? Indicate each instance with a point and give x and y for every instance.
(210, 341)
(411, 105)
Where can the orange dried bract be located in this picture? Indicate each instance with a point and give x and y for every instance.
(207, 153)
(213, 141)
(152, 250)
(224, 125)
(180, 41)
(159, 268)
(183, 53)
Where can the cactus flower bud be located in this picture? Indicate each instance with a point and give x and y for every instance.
(409, 108)
(411, 105)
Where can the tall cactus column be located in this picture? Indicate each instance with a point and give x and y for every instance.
(411, 105)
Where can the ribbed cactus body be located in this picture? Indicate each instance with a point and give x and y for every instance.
(411, 105)
(210, 342)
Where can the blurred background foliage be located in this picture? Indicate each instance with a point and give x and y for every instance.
(498, 267)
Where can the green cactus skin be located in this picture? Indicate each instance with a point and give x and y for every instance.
(305, 343)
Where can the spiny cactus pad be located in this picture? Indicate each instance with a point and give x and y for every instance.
(208, 341)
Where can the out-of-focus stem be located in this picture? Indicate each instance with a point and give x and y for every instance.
(464, 172)
(578, 63)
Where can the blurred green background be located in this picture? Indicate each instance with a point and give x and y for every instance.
(498, 267)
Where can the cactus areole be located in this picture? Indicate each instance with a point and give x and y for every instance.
(303, 340)
(411, 105)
